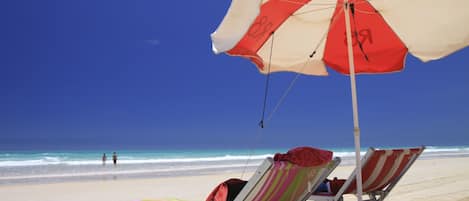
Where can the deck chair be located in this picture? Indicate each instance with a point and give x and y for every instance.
(381, 170)
(284, 181)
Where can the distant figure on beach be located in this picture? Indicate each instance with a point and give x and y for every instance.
(104, 158)
(114, 158)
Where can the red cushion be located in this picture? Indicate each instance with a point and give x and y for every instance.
(305, 156)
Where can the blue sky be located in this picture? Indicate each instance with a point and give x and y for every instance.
(141, 74)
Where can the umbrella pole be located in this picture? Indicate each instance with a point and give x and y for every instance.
(356, 127)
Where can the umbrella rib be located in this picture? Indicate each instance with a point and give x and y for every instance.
(284, 95)
(363, 11)
(360, 45)
(366, 12)
(325, 8)
(292, 83)
(321, 41)
(313, 10)
(307, 4)
(294, 2)
(261, 123)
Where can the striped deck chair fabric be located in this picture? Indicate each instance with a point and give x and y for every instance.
(381, 170)
(284, 181)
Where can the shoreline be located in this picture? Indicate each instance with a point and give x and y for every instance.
(436, 179)
(60, 173)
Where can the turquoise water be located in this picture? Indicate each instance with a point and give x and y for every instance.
(56, 166)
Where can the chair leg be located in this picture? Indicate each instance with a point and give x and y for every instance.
(372, 197)
(377, 196)
(324, 198)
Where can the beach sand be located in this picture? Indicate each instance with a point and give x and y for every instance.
(427, 180)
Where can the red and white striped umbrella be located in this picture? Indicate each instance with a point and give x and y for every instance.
(349, 36)
(383, 32)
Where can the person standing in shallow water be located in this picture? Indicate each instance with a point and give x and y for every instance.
(104, 159)
(114, 158)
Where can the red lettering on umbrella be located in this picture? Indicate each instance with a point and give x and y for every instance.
(364, 35)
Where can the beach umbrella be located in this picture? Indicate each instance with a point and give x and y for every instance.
(348, 36)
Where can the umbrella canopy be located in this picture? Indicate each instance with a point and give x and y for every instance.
(383, 32)
(355, 36)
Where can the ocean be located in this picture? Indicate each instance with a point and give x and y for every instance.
(18, 167)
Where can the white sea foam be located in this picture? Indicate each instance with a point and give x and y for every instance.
(446, 149)
(128, 160)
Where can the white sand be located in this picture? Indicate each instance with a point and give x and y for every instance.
(427, 180)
